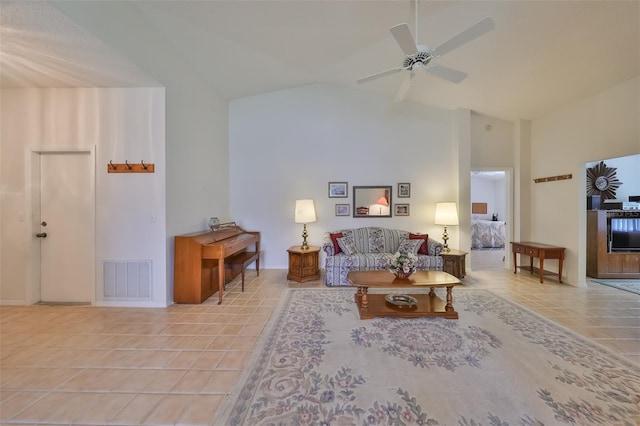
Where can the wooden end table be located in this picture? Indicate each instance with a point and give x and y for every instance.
(453, 262)
(429, 305)
(304, 264)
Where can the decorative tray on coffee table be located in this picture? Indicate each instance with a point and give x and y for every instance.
(401, 300)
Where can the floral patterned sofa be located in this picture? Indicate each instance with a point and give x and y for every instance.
(371, 248)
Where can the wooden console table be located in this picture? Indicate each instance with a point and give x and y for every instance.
(541, 251)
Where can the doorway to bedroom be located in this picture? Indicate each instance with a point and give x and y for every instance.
(489, 212)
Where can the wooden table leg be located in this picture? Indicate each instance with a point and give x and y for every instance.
(542, 269)
(221, 282)
(531, 264)
(515, 262)
(560, 269)
(449, 306)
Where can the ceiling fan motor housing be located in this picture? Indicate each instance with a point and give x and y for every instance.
(420, 59)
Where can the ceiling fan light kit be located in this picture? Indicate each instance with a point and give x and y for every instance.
(420, 56)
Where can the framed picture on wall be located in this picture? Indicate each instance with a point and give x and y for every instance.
(342, 210)
(402, 209)
(338, 190)
(404, 190)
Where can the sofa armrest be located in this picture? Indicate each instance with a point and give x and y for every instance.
(434, 247)
(328, 248)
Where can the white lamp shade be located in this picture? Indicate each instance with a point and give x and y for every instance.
(305, 211)
(446, 214)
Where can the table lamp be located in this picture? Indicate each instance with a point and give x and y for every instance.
(305, 213)
(446, 214)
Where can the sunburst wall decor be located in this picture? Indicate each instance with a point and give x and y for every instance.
(602, 180)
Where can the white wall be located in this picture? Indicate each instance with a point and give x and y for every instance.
(196, 117)
(289, 144)
(123, 124)
(490, 191)
(492, 142)
(602, 126)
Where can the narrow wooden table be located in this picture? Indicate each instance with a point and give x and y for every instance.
(429, 305)
(541, 251)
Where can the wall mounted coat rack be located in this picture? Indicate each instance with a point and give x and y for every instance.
(552, 178)
(127, 167)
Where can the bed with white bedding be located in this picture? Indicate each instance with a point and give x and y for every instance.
(487, 234)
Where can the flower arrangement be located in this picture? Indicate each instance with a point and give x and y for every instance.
(403, 264)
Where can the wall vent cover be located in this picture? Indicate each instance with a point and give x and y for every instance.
(127, 280)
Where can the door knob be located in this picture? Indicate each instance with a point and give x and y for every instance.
(42, 235)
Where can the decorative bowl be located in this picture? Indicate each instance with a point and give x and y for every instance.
(401, 300)
(402, 275)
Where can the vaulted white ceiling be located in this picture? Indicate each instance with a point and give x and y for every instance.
(541, 55)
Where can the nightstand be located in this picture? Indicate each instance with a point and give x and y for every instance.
(453, 263)
(304, 265)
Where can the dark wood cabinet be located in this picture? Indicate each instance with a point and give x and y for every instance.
(453, 262)
(601, 262)
(304, 264)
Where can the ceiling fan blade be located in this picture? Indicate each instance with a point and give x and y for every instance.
(378, 75)
(466, 36)
(404, 39)
(447, 73)
(402, 91)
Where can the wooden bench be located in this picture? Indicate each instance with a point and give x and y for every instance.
(242, 260)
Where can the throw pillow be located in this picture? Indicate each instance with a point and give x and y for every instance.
(410, 246)
(334, 239)
(347, 245)
(424, 248)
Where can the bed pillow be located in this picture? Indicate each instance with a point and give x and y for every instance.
(424, 248)
(410, 246)
(334, 239)
(347, 245)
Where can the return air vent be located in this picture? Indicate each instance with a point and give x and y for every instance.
(127, 280)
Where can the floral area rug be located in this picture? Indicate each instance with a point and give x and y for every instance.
(499, 364)
(627, 285)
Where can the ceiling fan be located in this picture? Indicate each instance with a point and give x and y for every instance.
(421, 56)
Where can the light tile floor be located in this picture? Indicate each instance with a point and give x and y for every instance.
(487, 259)
(91, 365)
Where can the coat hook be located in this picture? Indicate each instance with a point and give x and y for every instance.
(127, 165)
(113, 166)
(144, 167)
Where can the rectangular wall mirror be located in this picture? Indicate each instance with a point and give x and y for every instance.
(372, 201)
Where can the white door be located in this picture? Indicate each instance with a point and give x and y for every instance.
(66, 207)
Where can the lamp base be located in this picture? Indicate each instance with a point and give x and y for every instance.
(305, 245)
(445, 238)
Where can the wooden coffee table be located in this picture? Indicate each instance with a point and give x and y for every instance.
(429, 305)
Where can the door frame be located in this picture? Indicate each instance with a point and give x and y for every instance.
(32, 192)
(508, 199)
